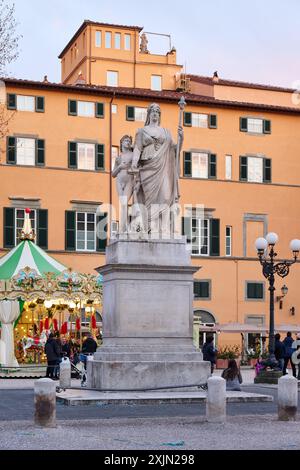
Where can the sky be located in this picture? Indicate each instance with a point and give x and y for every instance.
(256, 41)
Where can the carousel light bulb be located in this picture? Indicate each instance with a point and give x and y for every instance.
(48, 303)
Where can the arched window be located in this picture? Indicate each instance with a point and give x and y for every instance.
(204, 317)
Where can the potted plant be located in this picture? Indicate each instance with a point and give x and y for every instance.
(226, 353)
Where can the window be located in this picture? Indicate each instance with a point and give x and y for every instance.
(228, 240)
(25, 151)
(255, 125)
(19, 223)
(200, 240)
(85, 109)
(127, 39)
(25, 103)
(156, 82)
(108, 40)
(255, 169)
(140, 114)
(228, 167)
(117, 41)
(134, 113)
(98, 38)
(254, 290)
(112, 78)
(114, 154)
(114, 108)
(200, 165)
(85, 231)
(86, 156)
(201, 289)
(200, 120)
(202, 235)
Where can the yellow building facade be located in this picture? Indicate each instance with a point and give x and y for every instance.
(240, 161)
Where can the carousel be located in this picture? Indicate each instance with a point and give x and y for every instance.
(38, 295)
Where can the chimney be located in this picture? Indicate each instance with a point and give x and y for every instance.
(80, 80)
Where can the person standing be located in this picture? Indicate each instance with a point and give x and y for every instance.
(279, 351)
(209, 352)
(296, 346)
(52, 352)
(89, 347)
(288, 342)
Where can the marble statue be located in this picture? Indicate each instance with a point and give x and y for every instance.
(144, 44)
(155, 159)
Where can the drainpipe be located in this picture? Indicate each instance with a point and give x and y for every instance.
(90, 58)
(134, 62)
(110, 154)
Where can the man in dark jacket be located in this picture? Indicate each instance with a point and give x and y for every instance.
(52, 352)
(288, 341)
(279, 351)
(209, 352)
(89, 347)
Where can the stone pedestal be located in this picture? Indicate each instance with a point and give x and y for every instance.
(268, 377)
(148, 318)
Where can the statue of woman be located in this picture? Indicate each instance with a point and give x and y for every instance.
(154, 156)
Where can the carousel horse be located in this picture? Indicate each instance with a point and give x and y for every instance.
(29, 341)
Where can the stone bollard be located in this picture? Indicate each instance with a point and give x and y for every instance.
(287, 398)
(216, 400)
(65, 373)
(45, 403)
(89, 371)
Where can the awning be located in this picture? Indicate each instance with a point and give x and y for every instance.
(240, 328)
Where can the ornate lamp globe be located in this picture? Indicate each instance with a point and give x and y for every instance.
(261, 244)
(295, 245)
(272, 238)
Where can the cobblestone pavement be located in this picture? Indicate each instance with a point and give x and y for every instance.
(185, 433)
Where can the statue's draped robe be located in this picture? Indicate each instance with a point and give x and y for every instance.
(158, 173)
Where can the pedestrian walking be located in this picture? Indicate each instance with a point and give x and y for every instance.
(288, 342)
(279, 351)
(233, 376)
(295, 347)
(52, 352)
(89, 347)
(210, 352)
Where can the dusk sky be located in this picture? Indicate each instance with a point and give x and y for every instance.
(257, 41)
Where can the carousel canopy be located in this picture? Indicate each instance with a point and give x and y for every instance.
(28, 254)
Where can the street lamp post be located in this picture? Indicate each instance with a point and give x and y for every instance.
(267, 255)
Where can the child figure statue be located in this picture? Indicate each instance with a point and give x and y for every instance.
(127, 182)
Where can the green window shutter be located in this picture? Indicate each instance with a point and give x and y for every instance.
(40, 104)
(100, 110)
(212, 168)
(11, 101)
(9, 227)
(72, 160)
(255, 290)
(187, 119)
(267, 170)
(187, 164)
(42, 228)
(99, 165)
(130, 113)
(101, 232)
(201, 289)
(186, 228)
(72, 108)
(11, 151)
(70, 239)
(243, 168)
(267, 126)
(214, 237)
(212, 121)
(40, 152)
(243, 124)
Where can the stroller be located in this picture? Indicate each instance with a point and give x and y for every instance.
(78, 370)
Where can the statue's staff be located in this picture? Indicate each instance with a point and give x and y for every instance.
(182, 104)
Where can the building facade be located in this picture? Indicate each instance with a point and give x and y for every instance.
(240, 161)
